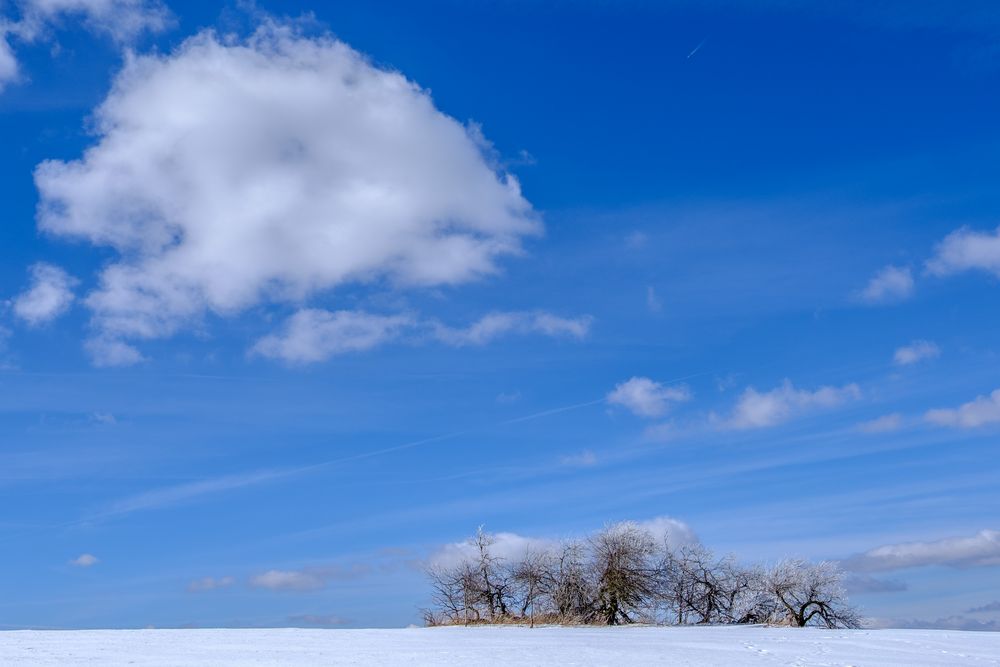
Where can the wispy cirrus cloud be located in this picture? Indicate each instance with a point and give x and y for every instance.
(315, 335)
(585, 459)
(494, 325)
(883, 424)
(210, 584)
(178, 494)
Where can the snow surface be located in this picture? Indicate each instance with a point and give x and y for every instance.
(502, 646)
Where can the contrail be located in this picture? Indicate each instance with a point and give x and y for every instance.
(169, 496)
(455, 434)
(444, 436)
(695, 49)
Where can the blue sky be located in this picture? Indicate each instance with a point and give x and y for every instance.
(296, 294)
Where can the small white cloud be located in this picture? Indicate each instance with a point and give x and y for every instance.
(755, 409)
(979, 550)
(110, 352)
(883, 424)
(585, 459)
(727, 382)
(979, 412)
(48, 296)
(9, 69)
(892, 283)
(287, 580)
(210, 584)
(309, 578)
(84, 560)
(918, 350)
(967, 250)
(312, 335)
(506, 397)
(636, 239)
(122, 20)
(494, 325)
(653, 302)
(647, 398)
(105, 418)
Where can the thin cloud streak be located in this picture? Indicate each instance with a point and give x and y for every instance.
(188, 492)
(170, 496)
(696, 49)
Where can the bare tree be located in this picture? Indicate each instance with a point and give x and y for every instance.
(491, 585)
(811, 594)
(674, 585)
(454, 593)
(625, 571)
(697, 588)
(622, 575)
(475, 589)
(751, 601)
(529, 575)
(706, 598)
(569, 585)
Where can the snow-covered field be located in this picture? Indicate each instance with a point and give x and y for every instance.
(502, 646)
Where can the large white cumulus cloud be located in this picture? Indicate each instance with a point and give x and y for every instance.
(233, 172)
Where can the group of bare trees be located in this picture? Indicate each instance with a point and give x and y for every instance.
(625, 574)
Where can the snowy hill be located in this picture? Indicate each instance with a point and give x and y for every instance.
(503, 646)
